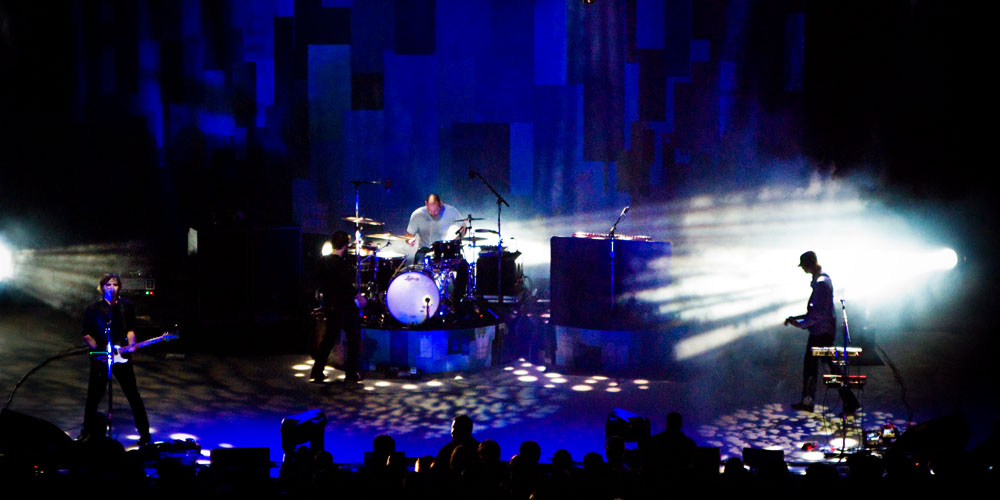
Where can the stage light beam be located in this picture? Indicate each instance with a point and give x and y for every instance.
(6, 262)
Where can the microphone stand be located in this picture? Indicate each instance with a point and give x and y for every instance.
(846, 378)
(611, 235)
(500, 203)
(111, 362)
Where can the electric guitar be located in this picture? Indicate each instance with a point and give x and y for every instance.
(123, 354)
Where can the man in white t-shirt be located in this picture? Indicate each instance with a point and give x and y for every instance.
(434, 222)
(437, 221)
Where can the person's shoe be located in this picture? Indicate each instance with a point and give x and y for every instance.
(805, 405)
(352, 378)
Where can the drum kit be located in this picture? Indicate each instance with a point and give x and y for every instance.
(436, 286)
(439, 285)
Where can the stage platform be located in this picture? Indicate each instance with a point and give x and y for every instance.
(732, 398)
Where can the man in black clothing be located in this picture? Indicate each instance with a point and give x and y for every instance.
(821, 323)
(461, 435)
(342, 305)
(115, 316)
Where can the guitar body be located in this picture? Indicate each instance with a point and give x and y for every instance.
(123, 357)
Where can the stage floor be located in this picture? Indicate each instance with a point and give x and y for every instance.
(734, 397)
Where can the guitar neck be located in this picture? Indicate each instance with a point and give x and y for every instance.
(157, 340)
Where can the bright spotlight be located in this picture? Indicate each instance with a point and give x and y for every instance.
(327, 249)
(6, 262)
(944, 259)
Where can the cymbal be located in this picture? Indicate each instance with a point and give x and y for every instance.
(491, 231)
(390, 254)
(473, 238)
(385, 236)
(469, 218)
(363, 220)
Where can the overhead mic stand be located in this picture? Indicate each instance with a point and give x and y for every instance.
(357, 231)
(500, 202)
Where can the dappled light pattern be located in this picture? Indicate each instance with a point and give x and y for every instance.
(775, 426)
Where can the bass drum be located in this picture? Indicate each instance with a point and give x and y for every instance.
(413, 296)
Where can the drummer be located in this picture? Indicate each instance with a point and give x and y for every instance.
(438, 221)
(435, 221)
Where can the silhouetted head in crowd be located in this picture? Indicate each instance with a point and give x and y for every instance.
(382, 446)
(593, 462)
(489, 451)
(97, 426)
(323, 460)
(461, 428)
(561, 459)
(423, 464)
(461, 458)
(674, 422)
(530, 452)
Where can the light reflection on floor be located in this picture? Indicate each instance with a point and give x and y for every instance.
(239, 401)
(775, 426)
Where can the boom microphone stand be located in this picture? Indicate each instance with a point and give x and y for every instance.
(500, 202)
(611, 235)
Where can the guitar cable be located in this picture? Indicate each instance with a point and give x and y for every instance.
(72, 351)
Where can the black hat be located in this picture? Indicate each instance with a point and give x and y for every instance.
(808, 259)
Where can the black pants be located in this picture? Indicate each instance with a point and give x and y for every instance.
(350, 322)
(98, 384)
(810, 371)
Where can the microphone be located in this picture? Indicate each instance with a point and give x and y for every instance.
(472, 174)
(625, 210)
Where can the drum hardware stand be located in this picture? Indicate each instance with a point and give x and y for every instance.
(472, 266)
(500, 202)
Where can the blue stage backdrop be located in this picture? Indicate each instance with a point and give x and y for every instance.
(267, 108)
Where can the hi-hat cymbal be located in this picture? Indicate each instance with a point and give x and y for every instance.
(469, 218)
(385, 236)
(491, 231)
(364, 221)
(473, 238)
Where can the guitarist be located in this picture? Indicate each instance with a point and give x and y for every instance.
(341, 309)
(117, 315)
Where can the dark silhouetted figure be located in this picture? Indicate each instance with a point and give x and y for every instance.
(461, 434)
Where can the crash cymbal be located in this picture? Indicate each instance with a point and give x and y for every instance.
(363, 221)
(468, 219)
(473, 238)
(385, 236)
(491, 231)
